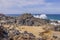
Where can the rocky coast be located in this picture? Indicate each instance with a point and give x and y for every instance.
(28, 27)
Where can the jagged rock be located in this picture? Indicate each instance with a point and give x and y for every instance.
(2, 15)
(29, 20)
(26, 16)
(13, 32)
(3, 33)
(24, 19)
(57, 28)
(25, 36)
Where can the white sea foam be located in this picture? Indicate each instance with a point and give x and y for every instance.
(36, 16)
(42, 16)
(54, 23)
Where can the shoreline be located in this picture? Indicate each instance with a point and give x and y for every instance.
(50, 16)
(28, 27)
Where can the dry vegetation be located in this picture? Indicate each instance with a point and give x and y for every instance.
(33, 33)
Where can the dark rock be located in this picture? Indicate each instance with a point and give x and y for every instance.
(24, 19)
(2, 15)
(3, 33)
(29, 20)
(13, 32)
(55, 37)
(57, 28)
(28, 36)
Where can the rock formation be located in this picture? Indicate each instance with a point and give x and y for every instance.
(24, 19)
(29, 20)
(3, 33)
(12, 32)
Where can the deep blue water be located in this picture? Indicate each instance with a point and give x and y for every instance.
(50, 16)
(54, 16)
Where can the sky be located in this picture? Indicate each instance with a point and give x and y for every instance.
(30, 6)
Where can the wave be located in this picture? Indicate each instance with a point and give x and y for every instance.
(42, 16)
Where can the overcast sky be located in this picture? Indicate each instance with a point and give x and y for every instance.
(29, 6)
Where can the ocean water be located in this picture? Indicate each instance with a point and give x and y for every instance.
(54, 16)
(50, 16)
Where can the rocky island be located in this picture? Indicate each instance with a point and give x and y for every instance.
(28, 27)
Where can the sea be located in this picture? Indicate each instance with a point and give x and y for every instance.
(50, 16)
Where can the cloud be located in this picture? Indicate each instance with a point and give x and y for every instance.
(31, 6)
(8, 5)
(20, 3)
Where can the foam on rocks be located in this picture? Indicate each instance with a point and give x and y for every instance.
(43, 16)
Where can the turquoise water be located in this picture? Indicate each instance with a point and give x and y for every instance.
(50, 16)
(54, 16)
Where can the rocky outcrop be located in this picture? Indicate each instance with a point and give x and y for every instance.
(3, 33)
(30, 20)
(2, 15)
(24, 19)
